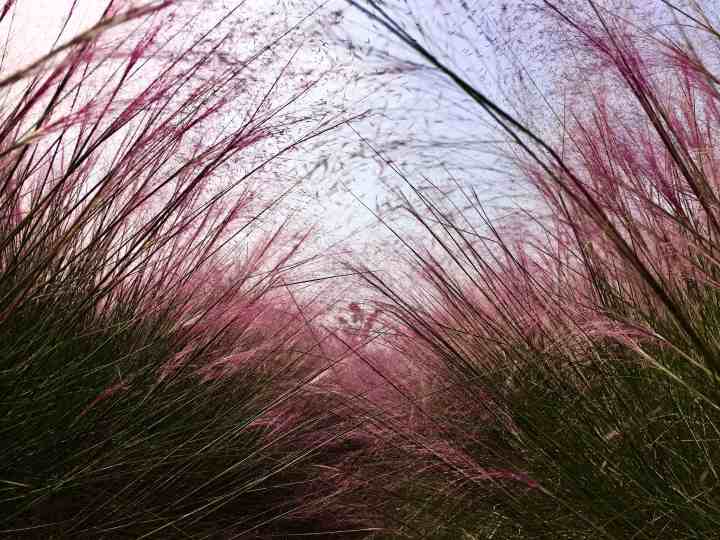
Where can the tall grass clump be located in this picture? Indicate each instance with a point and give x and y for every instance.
(140, 354)
(575, 350)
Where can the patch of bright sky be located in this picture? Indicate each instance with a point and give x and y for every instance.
(415, 118)
(406, 119)
(32, 27)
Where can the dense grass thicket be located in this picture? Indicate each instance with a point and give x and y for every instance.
(164, 373)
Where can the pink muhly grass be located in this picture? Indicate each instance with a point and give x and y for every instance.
(119, 229)
(142, 203)
(653, 175)
(604, 312)
(233, 317)
(617, 48)
(105, 394)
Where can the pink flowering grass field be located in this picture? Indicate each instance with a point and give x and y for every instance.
(167, 371)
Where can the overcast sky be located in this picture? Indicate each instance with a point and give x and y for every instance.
(417, 119)
(407, 111)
